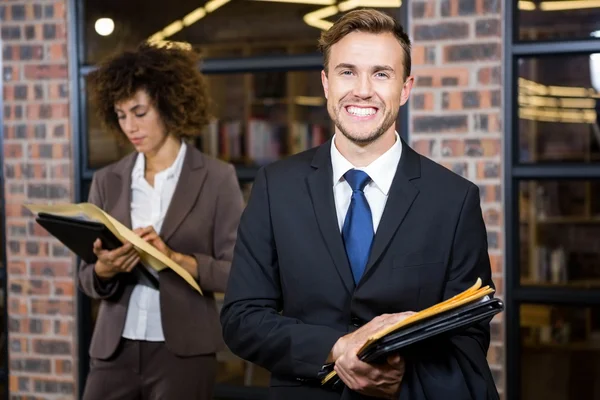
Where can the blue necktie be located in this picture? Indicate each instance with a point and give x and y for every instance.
(358, 225)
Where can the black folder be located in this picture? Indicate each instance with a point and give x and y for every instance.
(79, 236)
(408, 339)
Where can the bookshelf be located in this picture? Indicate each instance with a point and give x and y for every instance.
(264, 116)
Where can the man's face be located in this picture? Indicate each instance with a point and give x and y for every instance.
(365, 85)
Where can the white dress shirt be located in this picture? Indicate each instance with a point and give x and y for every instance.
(381, 171)
(148, 207)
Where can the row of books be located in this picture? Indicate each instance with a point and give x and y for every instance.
(259, 140)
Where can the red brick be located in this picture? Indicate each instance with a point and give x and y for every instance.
(63, 328)
(13, 150)
(8, 93)
(452, 101)
(64, 288)
(51, 268)
(423, 147)
(46, 71)
(488, 170)
(496, 262)
(57, 52)
(492, 217)
(451, 76)
(16, 268)
(489, 76)
(499, 284)
(63, 367)
(52, 307)
(17, 305)
(61, 171)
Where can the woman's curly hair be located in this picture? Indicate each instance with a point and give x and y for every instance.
(171, 77)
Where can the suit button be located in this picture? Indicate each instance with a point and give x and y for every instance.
(355, 321)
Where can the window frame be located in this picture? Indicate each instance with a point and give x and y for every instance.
(4, 372)
(515, 294)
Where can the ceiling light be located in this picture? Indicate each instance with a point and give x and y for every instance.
(526, 5)
(104, 26)
(212, 5)
(568, 5)
(194, 16)
(188, 20)
(307, 2)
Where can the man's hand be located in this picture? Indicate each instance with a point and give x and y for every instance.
(112, 262)
(149, 235)
(377, 381)
(381, 381)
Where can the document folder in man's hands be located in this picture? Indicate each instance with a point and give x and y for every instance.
(77, 226)
(444, 319)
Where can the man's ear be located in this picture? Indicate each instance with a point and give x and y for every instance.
(406, 88)
(325, 83)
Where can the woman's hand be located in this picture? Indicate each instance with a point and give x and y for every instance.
(186, 262)
(149, 235)
(112, 262)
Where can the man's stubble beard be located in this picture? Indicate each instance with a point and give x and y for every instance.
(388, 120)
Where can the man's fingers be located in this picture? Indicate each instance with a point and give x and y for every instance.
(395, 360)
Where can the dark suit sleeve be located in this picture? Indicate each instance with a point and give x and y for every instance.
(253, 327)
(213, 272)
(89, 282)
(458, 368)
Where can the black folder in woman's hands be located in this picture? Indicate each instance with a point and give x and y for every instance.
(79, 236)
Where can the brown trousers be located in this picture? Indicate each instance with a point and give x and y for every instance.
(142, 370)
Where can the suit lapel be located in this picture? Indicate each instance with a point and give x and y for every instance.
(191, 179)
(320, 185)
(401, 197)
(121, 209)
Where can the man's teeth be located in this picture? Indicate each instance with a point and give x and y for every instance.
(361, 112)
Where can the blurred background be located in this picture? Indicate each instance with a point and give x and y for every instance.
(506, 94)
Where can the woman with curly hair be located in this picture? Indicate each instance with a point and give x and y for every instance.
(155, 337)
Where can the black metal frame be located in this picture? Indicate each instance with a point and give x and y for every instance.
(3, 270)
(515, 295)
(78, 70)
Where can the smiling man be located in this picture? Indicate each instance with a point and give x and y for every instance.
(342, 240)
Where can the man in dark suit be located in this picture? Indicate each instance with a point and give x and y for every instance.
(344, 239)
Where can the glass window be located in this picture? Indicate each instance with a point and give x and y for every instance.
(260, 118)
(222, 28)
(559, 230)
(558, 20)
(558, 109)
(560, 352)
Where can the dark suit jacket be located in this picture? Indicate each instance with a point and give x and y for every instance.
(201, 221)
(291, 294)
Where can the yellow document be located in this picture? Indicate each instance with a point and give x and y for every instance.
(474, 293)
(149, 255)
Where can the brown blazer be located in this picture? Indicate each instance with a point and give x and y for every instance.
(201, 221)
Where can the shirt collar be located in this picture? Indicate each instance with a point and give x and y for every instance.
(381, 171)
(140, 165)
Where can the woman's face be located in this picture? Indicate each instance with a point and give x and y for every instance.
(141, 122)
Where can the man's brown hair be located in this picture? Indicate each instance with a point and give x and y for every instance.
(369, 21)
(171, 77)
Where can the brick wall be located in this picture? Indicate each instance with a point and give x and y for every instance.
(456, 114)
(38, 168)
